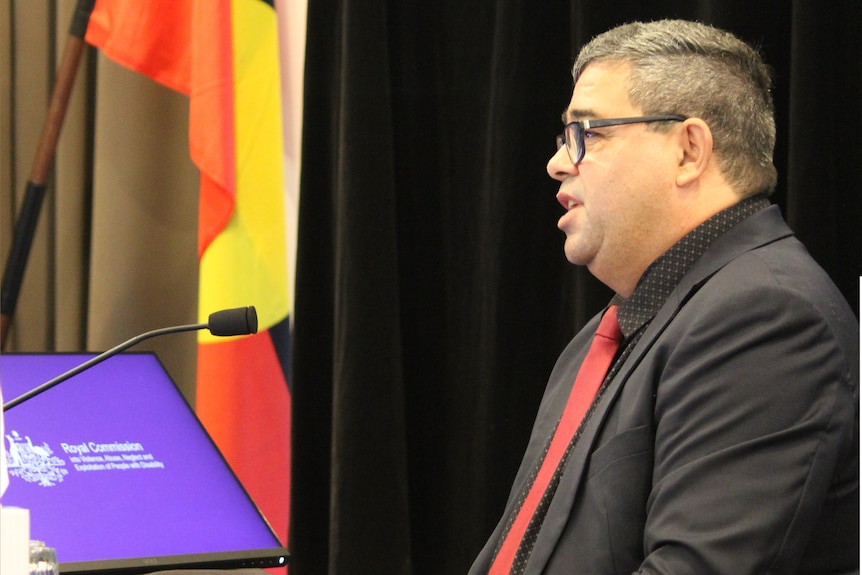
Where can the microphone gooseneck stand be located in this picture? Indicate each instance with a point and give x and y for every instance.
(237, 321)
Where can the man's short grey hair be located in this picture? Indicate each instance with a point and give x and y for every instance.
(695, 70)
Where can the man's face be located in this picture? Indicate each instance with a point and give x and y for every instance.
(616, 197)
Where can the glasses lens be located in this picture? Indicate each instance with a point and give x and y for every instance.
(575, 142)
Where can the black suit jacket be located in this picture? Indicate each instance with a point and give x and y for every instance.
(728, 441)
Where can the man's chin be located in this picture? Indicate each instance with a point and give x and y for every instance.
(576, 254)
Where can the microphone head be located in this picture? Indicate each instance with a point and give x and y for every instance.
(236, 321)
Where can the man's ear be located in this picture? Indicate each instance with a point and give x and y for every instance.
(696, 151)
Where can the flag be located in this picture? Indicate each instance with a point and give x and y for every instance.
(224, 55)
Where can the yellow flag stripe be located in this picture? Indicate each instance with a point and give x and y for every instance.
(247, 263)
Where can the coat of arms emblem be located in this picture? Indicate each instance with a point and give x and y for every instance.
(33, 463)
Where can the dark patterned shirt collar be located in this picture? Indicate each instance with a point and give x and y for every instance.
(663, 275)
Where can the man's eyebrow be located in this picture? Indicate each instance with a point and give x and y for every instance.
(573, 115)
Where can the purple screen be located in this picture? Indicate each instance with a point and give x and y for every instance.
(113, 464)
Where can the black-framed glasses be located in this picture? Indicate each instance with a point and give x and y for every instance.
(573, 134)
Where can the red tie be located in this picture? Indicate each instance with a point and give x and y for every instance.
(590, 376)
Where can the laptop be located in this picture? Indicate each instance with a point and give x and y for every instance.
(118, 473)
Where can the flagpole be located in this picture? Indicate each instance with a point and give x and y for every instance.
(25, 226)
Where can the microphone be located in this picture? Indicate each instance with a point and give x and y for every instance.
(237, 321)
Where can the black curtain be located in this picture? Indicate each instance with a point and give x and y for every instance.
(432, 292)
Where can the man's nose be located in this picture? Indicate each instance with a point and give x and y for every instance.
(560, 165)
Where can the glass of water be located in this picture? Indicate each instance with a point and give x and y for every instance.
(43, 559)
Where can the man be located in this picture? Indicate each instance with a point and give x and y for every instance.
(724, 436)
